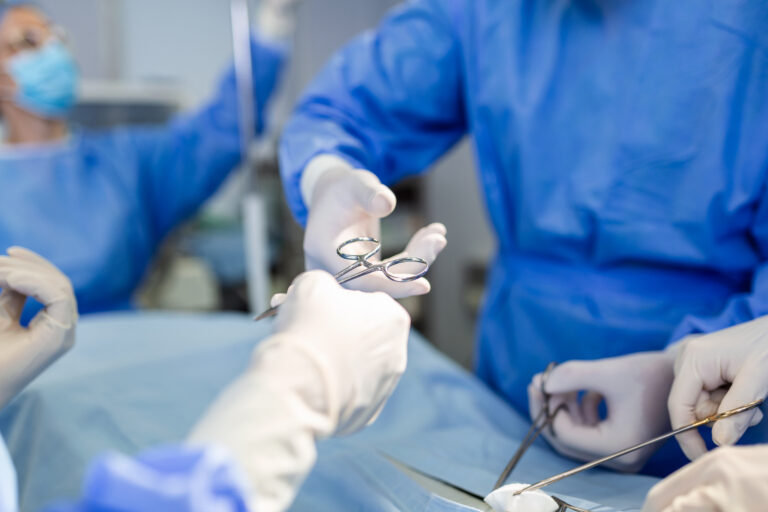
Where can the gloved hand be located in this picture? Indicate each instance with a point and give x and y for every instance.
(704, 369)
(724, 480)
(634, 389)
(335, 358)
(345, 203)
(276, 19)
(26, 352)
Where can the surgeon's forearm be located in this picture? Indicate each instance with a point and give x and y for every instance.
(22, 362)
(269, 423)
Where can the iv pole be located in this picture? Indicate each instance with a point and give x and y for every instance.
(254, 206)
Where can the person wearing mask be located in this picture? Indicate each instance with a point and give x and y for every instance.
(99, 204)
(333, 360)
(618, 145)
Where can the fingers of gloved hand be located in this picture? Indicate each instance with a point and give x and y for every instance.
(579, 376)
(314, 284)
(568, 402)
(590, 406)
(11, 306)
(698, 500)
(684, 482)
(692, 444)
(575, 439)
(709, 402)
(47, 272)
(59, 304)
(367, 192)
(378, 282)
(683, 398)
(34, 258)
(427, 242)
(750, 384)
(277, 299)
(535, 400)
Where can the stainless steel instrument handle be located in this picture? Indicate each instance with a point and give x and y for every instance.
(590, 465)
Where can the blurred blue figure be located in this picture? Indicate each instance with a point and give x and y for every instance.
(99, 204)
(171, 479)
(620, 146)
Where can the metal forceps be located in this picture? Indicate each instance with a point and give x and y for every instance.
(362, 259)
(542, 421)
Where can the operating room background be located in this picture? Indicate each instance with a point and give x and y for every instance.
(143, 60)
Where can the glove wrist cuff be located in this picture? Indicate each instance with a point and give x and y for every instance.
(301, 370)
(318, 168)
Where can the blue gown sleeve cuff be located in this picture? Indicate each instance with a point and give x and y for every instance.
(172, 479)
(741, 308)
(291, 178)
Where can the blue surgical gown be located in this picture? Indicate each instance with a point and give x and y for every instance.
(622, 148)
(99, 205)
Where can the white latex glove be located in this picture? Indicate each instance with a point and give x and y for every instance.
(705, 368)
(725, 480)
(26, 351)
(276, 19)
(8, 483)
(336, 357)
(634, 389)
(345, 203)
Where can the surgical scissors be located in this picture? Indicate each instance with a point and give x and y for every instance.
(362, 259)
(542, 421)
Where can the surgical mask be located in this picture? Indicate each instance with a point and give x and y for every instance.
(46, 80)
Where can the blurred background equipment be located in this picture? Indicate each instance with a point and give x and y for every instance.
(141, 63)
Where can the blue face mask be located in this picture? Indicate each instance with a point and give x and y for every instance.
(46, 80)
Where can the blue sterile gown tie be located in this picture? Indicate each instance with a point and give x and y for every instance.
(621, 147)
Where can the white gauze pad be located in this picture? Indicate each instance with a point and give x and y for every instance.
(503, 500)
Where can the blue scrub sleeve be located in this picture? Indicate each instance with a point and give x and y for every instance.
(391, 101)
(741, 307)
(185, 162)
(171, 479)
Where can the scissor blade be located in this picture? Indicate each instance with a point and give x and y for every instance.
(268, 313)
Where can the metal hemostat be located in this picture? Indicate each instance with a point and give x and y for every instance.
(564, 507)
(388, 267)
(543, 420)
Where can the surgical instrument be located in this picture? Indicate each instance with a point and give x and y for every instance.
(362, 258)
(694, 425)
(543, 420)
(564, 507)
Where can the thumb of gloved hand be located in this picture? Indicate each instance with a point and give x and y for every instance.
(330, 182)
(278, 299)
(750, 384)
(369, 193)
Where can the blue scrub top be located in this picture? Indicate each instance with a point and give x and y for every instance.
(99, 205)
(622, 147)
